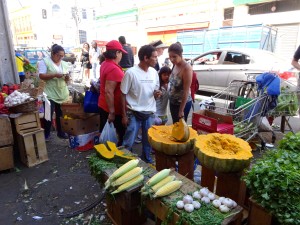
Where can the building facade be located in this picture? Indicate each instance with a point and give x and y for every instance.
(72, 22)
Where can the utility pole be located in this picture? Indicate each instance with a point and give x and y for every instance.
(8, 69)
(75, 16)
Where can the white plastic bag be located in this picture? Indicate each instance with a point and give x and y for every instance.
(109, 133)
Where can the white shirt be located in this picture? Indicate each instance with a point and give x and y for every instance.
(95, 54)
(138, 86)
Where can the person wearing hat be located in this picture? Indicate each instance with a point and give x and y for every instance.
(160, 47)
(109, 101)
(127, 60)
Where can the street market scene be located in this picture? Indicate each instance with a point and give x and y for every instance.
(131, 112)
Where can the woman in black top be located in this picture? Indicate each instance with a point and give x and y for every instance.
(85, 60)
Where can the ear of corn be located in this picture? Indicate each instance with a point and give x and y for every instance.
(168, 188)
(121, 171)
(158, 177)
(127, 176)
(129, 184)
(162, 183)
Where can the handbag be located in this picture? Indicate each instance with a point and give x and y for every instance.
(141, 116)
(89, 66)
(90, 102)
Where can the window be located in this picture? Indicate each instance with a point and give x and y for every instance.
(55, 10)
(208, 59)
(82, 36)
(236, 58)
(84, 14)
(94, 14)
(274, 6)
(228, 13)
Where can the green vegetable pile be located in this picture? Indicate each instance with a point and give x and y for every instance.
(274, 180)
(287, 103)
(29, 68)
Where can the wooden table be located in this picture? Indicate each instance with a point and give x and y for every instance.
(160, 209)
(124, 208)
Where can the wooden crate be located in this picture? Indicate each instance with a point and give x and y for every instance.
(258, 215)
(6, 158)
(160, 209)
(183, 163)
(225, 184)
(27, 123)
(124, 208)
(6, 135)
(32, 147)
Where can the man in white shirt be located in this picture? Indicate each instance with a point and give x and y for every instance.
(94, 59)
(140, 88)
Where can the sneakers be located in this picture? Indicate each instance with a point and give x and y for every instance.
(138, 139)
(62, 135)
(47, 138)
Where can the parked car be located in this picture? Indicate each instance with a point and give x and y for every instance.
(217, 68)
(34, 55)
(69, 55)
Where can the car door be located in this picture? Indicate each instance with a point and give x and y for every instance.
(239, 66)
(205, 66)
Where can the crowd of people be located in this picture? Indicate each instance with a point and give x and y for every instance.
(132, 96)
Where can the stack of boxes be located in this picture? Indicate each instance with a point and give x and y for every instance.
(6, 144)
(82, 128)
(30, 138)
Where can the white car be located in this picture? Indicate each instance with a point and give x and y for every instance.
(217, 68)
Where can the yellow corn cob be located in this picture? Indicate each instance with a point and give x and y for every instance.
(127, 176)
(162, 183)
(168, 188)
(129, 184)
(121, 171)
(158, 177)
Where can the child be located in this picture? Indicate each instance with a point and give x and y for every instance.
(162, 102)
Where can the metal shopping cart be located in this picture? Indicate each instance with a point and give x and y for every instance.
(247, 107)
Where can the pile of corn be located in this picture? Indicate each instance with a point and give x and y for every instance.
(125, 177)
(161, 184)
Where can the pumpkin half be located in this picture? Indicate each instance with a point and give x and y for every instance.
(223, 153)
(181, 131)
(104, 152)
(161, 139)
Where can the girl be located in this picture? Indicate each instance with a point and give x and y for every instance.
(180, 83)
(162, 102)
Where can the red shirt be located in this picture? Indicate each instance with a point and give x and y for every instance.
(109, 70)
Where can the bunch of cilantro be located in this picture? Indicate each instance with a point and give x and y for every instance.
(274, 180)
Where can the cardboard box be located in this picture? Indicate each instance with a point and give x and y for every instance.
(76, 127)
(205, 121)
(6, 158)
(84, 142)
(6, 136)
(74, 110)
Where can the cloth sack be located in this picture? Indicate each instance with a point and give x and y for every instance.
(90, 102)
(108, 133)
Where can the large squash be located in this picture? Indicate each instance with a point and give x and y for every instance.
(181, 131)
(161, 139)
(223, 152)
(104, 152)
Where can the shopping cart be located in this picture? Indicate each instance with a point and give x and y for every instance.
(287, 106)
(247, 107)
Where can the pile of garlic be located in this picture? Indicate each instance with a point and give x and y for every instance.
(189, 203)
(16, 98)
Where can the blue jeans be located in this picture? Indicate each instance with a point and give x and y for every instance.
(174, 110)
(132, 131)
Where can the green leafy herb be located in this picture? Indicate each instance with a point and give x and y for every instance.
(290, 142)
(274, 182)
